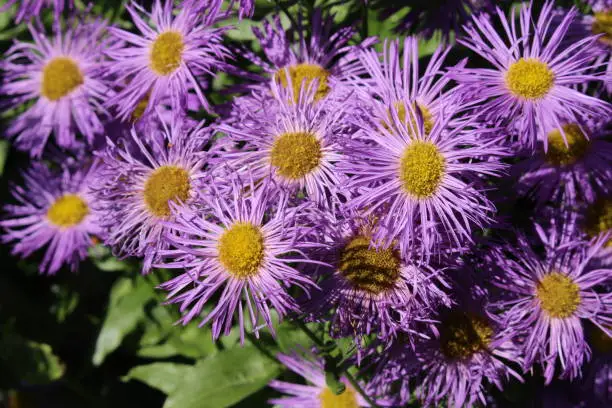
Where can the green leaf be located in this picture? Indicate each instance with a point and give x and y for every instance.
(428, 47)
(25, 361)
(241, 30)
(65, 303)
(165, 377)
(190, 341)
(105, 261)
(224, 379)
(126, 309)
(288, 337)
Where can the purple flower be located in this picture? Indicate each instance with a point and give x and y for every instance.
(552, 296)
(63, 77)
(293, 141)
(471, 350)
(32, 8)
(396, 79)
(137, 181)
(420, 180)
(316, 393)
(371, 288)
(324, 56)
(238, 250)
(577, 165)
(53, 211)
(532, 81)
(167, 60)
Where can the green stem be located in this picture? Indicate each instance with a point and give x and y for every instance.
(365, 30)
(356, 386)
(343, 371)
(254, 341)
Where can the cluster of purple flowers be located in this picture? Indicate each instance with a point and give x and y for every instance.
(347, 183)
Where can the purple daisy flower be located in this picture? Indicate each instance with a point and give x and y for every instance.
(532, 82)
(174, 49)
(63, 76)
(551, 297)
(421, 180)
(396, 80)
(136, 182)
(371, 288)
(427, 17)
(53, 211)
(577, 165)
(241, 248)
(32, 8)
(316, 394)
(324, 56)
(471, 350)
(295, 142)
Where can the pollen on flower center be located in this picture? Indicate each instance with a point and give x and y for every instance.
(167, 52)
(164, 184)
(462, 335)
(295, 154)
(602, 24)
(369, 269)
(241, 250)
(558, 294)
(60, 76)
(428, 121)
(67, 211)
(421, 169)
(347, 399)
(529, 78)
(599, 218)
(558, 153)
(305, 73)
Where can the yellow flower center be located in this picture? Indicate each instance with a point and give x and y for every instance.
(558, 153)
(60, 76)
(67, 211)
(241, 250)
(462, 335)
(599, 218)
(165, 184)
(603, 25)
(559, 296)
(347, 399)
(167, 52)
(428, 121)
(529, 78)
(305, 74)
(369, 269)
(296, 154)
(421, 169)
